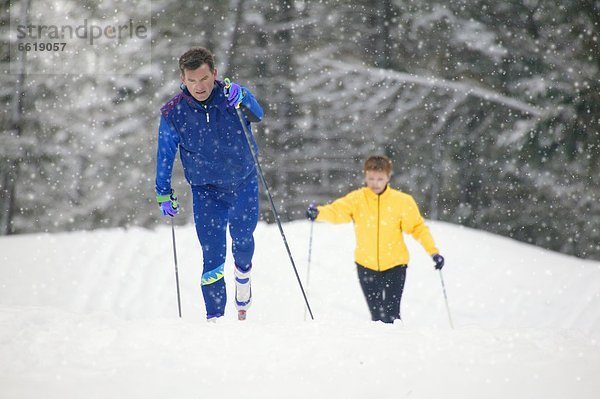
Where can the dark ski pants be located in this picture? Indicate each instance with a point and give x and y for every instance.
(383, 291)
(214, 209)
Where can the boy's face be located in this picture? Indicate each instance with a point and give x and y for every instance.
(377, 180)
(199, 81)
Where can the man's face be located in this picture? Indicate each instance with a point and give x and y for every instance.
(199, 81)
(376, 180)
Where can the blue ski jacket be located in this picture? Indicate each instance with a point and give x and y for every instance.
(211, 141)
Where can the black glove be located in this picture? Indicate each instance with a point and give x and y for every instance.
(439, 261)
(312, 212)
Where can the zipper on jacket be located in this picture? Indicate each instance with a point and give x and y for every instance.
(378, 267)
(207, 116)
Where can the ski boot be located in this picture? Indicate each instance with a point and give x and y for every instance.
(243, 292)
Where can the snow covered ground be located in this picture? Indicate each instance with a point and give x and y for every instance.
(94, 315)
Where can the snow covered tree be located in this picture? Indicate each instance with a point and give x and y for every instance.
(488, 109)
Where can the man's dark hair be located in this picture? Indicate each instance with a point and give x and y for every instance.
(194, 58)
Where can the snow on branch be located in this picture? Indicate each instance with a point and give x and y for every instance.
(432, 81)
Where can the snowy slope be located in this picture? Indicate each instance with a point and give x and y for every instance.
(94, 315)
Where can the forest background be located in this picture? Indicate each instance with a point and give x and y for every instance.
(490, 110)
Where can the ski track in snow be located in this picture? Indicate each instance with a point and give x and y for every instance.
(94, 314)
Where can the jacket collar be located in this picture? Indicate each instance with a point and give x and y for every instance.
(216, 96)
(372, 196)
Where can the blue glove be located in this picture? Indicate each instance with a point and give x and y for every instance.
(234, 93)
(168, 209)
(439, 261)
(168, 204)
(312, 212)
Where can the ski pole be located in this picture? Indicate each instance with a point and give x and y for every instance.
(310, 240)
(275, 214)
(176, 270)
(446, 299)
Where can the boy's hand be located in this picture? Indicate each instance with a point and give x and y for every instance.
(439, 261)
(312, 212)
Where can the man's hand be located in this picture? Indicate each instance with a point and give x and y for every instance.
(168, 204)
(234, 93)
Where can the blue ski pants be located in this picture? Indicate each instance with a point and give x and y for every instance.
(215, 208)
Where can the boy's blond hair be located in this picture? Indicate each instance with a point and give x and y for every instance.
(379, 163)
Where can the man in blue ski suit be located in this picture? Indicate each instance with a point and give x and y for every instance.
(201, 121)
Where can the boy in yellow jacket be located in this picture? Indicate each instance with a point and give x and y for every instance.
(380, 215)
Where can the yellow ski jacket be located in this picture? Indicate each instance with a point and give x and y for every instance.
(379, 221)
